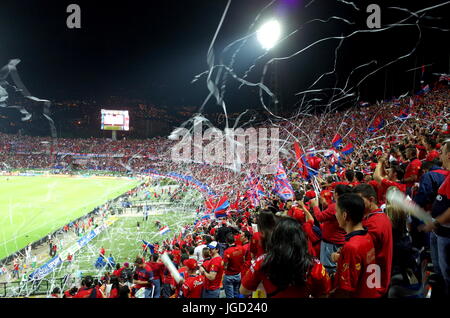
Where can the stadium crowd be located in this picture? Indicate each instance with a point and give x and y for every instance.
(336, 235)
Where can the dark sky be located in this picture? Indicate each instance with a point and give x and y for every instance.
(153, 49)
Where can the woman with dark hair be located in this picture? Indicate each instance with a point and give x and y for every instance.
(266, 221)
(124, 292)
(287, 270)
(115, 287)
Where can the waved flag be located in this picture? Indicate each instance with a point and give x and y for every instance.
(149, 246)
(282, 186)
(164, 230)
(219, 208)
(377, 124)
(300, 160)
(348, 149)
(337, 141)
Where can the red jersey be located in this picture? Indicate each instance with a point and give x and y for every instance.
(334, 184)
(380, 229)
(144, 274)
(247, 259)
(413, 169)
(88, 293)
(422, 152)
(117, 272)
(114, 293)
(317, 283)
(102, 251)
(176, 256)
(385, 185)
(234, 258)
(433, 154)
(237, 240)
(193, 286)
(331, 231)
(256, 247)
(352, 272)
(297, 213)
(157, 269)
(313, 239)
(214, 265)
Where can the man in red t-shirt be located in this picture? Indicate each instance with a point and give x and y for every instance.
(193, 284)
(332, 234)
(413, 168)
(158, 272)
(380, 229)
(176, 254)
(430, 145)
(356, 259)
(233, 259)
(143, 276)
(213, 272)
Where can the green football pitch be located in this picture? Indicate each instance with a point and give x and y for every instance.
(32, 207)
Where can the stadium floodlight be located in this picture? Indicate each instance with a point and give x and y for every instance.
(269, 34)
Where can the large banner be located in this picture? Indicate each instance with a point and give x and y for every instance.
(46, 269)
(52, 264)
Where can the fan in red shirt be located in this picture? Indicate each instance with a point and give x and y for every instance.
(102, 251)
(176, 254)
(233, 259)
(332, 234)
(295, 212)
(266, 223)
(142, 277)
(387, 179)
(430, 145)
(117, 271)
(193, 284)
(158, 272)
(114, 293)
(213, 271)
(87, 289)
(287, 270)
(357, 256)
(413, 168)
(380, 229)
(245, 238)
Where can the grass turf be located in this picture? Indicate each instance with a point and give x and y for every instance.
(32, 207)
(124, 241)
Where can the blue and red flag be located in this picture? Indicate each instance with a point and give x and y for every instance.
(337, 141)
(425, 90)
(301, 162)
(377, 124)
(348, 149)
(219, 208)
(282, 186)
(149, 246)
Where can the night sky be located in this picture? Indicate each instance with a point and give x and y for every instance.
(153, 49)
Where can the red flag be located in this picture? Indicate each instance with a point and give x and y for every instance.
(300, 163)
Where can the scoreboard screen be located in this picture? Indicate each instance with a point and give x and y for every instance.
(115, 120)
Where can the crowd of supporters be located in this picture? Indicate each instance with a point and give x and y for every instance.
(338, 236)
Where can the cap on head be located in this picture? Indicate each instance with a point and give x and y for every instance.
(213, 245)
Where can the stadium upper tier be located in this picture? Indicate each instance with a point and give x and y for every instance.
(366, 128)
